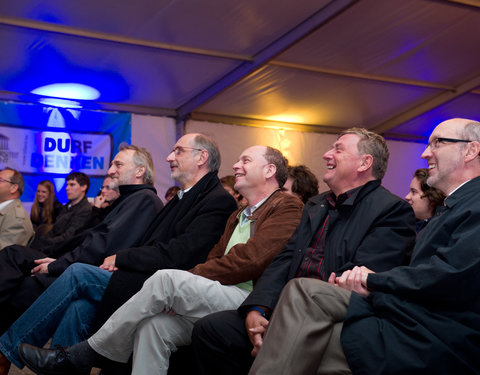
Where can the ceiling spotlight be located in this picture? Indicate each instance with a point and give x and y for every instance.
(68, 91)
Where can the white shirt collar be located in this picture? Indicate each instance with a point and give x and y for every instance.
(180, 193)
(5, 204)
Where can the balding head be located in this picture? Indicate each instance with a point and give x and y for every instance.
(453, 154)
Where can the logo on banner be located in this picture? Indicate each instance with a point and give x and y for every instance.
(57, 152)
(5, 154)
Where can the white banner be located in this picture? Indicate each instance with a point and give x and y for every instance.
(56, 152)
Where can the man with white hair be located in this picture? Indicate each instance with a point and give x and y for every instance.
(25, 272)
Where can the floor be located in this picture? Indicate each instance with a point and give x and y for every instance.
(25, 371)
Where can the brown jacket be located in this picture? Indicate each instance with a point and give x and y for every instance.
(272, 225)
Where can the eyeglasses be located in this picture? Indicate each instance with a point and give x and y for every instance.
(434, 143)
(10, 182)
(179, 149)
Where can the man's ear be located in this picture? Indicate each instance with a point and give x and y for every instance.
(13, 188)
(140, 172)
(270, 171)
(473, 151)
(203, 157)
(366, 163)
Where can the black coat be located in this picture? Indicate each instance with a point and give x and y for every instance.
(424, 318)
(123, 227)
(69, 222)
(373, 228)
(180, 237)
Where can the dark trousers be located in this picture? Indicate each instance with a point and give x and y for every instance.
(220, 344)
(18, 289)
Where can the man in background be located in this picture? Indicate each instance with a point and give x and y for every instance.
(15, 225)
(72, 219)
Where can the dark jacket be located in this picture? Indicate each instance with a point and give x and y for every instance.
(180, 237)
(124, 226)
(424, 318)
(70, 221)
(373, 228)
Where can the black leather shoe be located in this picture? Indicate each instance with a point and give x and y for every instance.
(48, 361)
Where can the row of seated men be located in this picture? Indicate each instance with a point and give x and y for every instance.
(322, 289)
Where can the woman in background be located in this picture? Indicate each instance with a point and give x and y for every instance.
(424, 199)
(45, 208)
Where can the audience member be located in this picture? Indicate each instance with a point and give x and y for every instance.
(301, 182)
(103, 202)
(107, 194)
(228, 183)
(15, 225)
(171, 192)
(417, 319)
(358, 222)
(160, 316)
(45, 208)
(72, 218)
(423, 198)
(179, 237)
(25, 272)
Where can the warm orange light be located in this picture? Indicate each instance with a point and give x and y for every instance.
(289, 118)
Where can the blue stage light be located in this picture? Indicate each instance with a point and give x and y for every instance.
(68, 91)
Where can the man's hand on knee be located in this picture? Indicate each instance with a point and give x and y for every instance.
(354, 280)
(256, 326)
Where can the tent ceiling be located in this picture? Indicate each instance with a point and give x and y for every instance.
(397, 67)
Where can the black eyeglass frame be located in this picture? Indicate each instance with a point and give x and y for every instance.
(434, 144)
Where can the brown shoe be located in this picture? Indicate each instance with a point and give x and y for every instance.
(4, 365)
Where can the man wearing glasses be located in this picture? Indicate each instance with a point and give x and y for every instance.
(417, 319)
(160, 317)
(15, 224)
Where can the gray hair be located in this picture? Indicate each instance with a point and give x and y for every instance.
(371, 143)
(471, 131)
(206, 143)
(141, 158)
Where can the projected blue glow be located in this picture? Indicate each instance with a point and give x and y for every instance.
(62, 103)
(68, 91)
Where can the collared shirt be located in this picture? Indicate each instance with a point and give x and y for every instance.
(5, 204)
(180, 193)
(248, 212)
(312, 264)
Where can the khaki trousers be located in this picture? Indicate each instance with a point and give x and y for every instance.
(141, 325)
(303, 336)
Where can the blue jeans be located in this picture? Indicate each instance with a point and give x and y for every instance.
(65, 311)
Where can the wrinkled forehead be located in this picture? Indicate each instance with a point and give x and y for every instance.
(124, 156)
(348, 141)
(185, 141)
(254, 153)
(6, 174)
